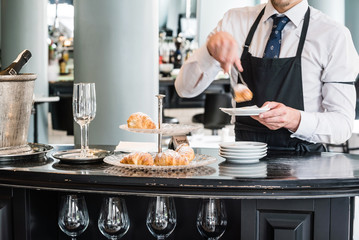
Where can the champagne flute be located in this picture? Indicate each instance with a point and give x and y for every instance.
(113, 221)
(84, 111)
(212, 218)
(161, 217)
(73, 216)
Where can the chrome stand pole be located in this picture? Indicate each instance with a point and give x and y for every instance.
(160, 105)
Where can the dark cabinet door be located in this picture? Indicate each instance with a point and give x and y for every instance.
(5, 215)
(320, 219)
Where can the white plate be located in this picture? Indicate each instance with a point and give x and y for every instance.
(248, 154)
(254, 170)
(228, 150)
(73, 156)
(244, 157)
(245, 111)
(243, 145)
(166, 129)
(242, 161)
(199, 161)
(242, 167)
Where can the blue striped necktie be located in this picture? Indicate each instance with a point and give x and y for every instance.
(273, 45)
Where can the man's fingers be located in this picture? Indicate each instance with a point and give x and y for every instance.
(226, 67)
(238, 63)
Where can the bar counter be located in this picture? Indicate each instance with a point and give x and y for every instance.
(315, 191)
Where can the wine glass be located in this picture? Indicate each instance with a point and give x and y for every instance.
(161, 217)
(73, 216)
(84, 111)
(212, 218)
(113, 221)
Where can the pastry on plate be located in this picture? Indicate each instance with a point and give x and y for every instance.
(140, 120)
(170, 158)
(186, 151)
(138, 158)
(242, 93)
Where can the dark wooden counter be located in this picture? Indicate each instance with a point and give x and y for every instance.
(288, 176)
(308, 196)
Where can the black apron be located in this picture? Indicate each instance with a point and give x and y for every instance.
(273, 79)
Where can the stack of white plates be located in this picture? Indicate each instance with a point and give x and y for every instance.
(243, 151)
(253, 170)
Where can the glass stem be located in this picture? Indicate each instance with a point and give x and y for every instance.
(161, 237)
(84, 140)
(73, 238)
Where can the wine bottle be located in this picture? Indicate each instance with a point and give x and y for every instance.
(17, 64)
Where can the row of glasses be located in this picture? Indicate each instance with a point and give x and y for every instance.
(211, 218)
(113, 221)
(161, 219)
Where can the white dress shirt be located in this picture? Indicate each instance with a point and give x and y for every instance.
(328, 59)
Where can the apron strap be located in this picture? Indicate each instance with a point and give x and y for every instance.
(304, 33)
(252, 31)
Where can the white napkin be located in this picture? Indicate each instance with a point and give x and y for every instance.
(136, 147)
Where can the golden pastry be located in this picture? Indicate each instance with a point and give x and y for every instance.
(170, 158)
(140, 120)
(186, 151)
(138, 158)
(242, 93)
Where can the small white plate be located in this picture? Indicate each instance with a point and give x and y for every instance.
(227, 165)
(240, 161)
(73, 156)
(229, 150)
(253, 168)
(240, 154)
(243, 145)
(245, 111)
(244, 157)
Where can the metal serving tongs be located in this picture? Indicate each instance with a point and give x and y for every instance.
(240, 91)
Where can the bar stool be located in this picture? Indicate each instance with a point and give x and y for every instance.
(213, 118)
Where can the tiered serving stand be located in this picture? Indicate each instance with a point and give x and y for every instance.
(166, 130)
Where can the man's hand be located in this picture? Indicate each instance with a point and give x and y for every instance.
(224, 48)
(279, 116)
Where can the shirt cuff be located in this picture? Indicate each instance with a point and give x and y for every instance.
(204, 59)
(307, 126)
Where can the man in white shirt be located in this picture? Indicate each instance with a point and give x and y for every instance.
(308, 84)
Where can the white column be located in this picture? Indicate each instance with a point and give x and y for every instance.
(116, 47)
(333, 8)
(352, 19)
(24, 26)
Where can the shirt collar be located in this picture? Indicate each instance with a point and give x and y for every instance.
(295, 14)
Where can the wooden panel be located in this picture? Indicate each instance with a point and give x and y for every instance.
(21, 214)
(278, 219)
(248, 220)
(285, 226)
(287, 204)
(340, 218)
(5, 218)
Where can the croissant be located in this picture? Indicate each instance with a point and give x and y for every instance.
(140, 120)
(138, 158)
(186, 151)
(170, 158)
(242, 94)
